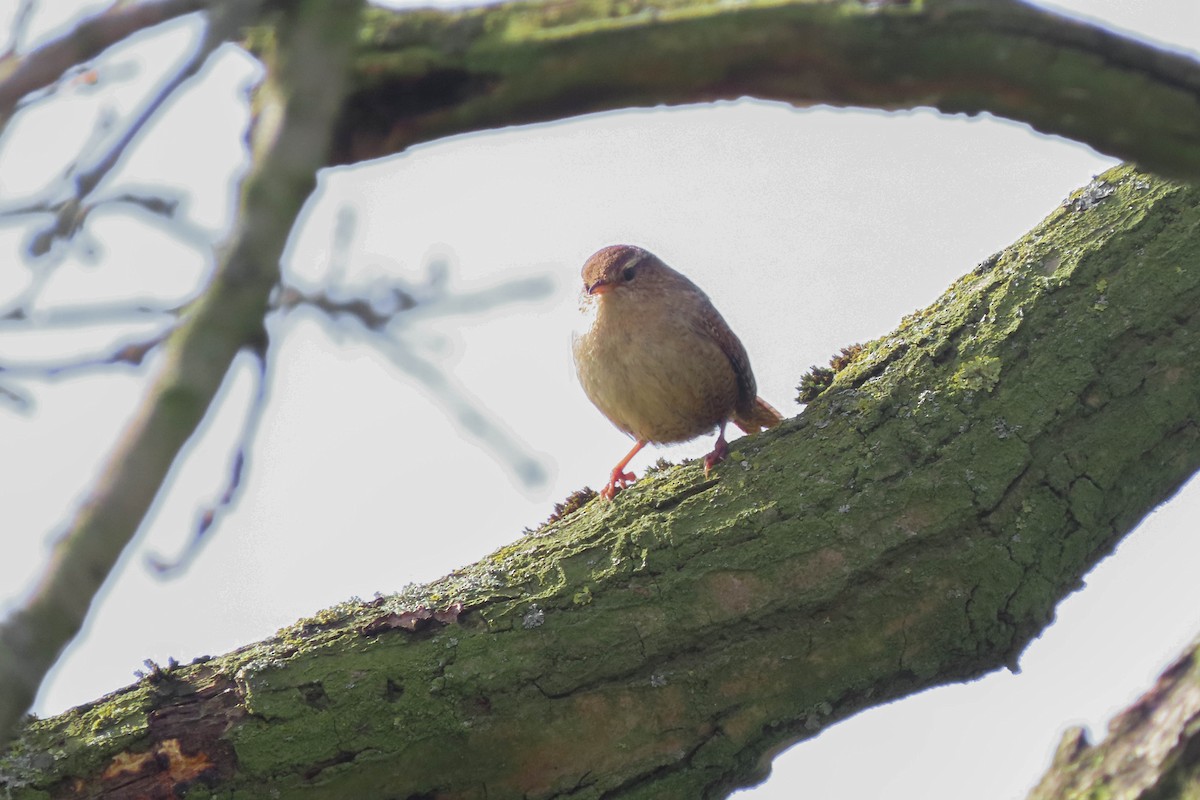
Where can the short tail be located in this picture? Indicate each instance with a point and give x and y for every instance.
(761, 415)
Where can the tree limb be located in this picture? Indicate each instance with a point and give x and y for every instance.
(1152, 751)
(425, 74)
(297, 103)
(916, 525)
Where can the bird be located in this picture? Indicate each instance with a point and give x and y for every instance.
(658, 360)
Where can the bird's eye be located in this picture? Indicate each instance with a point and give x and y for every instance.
(628, 273)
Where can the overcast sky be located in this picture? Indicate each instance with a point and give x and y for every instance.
(809, 229)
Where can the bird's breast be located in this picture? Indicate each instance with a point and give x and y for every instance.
(656, 377)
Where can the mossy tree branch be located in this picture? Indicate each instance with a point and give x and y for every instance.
(1152, 751)
(916, 525)
(425, 74)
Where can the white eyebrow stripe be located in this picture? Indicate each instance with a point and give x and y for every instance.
(633, 260)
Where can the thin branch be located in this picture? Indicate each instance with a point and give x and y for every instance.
(18, 400)
(219, 28)
(45, 65)
(470, 415)
(74, 316)
(208, 516)
(129, 353)
(19, 27)
(374, 315)
(379, 323)
(70, 213)
(298, 101)
(480, 301)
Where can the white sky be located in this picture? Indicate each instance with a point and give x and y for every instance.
(810, 230)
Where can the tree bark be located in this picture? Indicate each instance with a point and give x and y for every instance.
(1152, 751)
(425, 74)
(916, 525)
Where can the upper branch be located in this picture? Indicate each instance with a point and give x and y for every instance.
(425, 74)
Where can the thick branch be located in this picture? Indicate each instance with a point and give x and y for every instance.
(425, 74)
(915, 526)
(291, 135)
(1152, 751)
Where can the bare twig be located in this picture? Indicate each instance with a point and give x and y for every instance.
(208, 516)
(374, 315)
(74, 316)
(44, 65)
(377, 324)
(306, 68)
(131, 353)
(19, 27)
(71, 212)
(471, 416)
(481, 300)
(219, 28)
(17, 400)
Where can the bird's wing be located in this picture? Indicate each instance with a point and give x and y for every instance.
(715, 327)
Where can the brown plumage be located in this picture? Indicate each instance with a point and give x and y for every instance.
(659, 360)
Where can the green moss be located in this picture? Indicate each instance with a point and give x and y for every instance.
(915, 525)
(978, 374)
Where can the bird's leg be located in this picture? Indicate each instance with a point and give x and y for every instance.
(619, 475)
(720, 450)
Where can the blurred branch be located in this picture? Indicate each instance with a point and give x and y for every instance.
(296, 104)
(22, 74)
(378, 319)
(471, 416)
(424, 74)
(374, 315)
(19, 27)
(131, 353)
(208, 516)
(14, 398)
(71, 212)
(222, 22)
(453, 304)
(86, 315)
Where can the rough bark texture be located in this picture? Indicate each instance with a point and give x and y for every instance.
(916, 525)
(425, 74)
(1152, 751)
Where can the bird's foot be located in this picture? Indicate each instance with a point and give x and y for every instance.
(720, 450)
(616, 482)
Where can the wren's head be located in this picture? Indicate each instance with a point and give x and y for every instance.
(619, 267)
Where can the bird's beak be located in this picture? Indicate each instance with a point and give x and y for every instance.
(599, 287)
